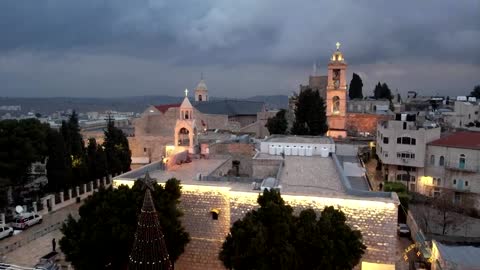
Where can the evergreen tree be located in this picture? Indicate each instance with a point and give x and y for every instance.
(75, 148)
(310, 116)
(59, 170)
(117, 149)
(476, 92)
(278, 124)
(96, 160)
(356, 86)
(382, 91)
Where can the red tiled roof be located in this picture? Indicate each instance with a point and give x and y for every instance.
(461, 139)
(165, 107)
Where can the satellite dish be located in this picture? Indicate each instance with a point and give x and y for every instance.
(19, 209)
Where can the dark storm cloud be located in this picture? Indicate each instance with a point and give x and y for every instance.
(148, 39)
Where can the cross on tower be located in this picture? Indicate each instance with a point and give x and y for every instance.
(186, 92)
(338, 45)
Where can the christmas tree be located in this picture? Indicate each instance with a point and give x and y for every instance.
(149, 250)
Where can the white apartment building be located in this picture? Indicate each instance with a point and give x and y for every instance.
(464, 112)
(401, 146)
(453, 166)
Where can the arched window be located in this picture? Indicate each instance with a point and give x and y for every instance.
(461, 161)
(432, 160)
(441, 161)
(199, 97)
(335, 104)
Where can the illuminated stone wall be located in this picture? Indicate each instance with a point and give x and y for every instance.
(376, 219)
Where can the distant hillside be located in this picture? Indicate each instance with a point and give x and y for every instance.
(129, 104)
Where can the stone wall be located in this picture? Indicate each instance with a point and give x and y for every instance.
(242, 152)
(263, 168)
(360, 122)
(376, 219)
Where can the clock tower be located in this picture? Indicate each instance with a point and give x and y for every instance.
(336, 97)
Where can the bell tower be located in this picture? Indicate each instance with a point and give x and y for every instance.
(185, 127)
(336, 97)
(201, 91)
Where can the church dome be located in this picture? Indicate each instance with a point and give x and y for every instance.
(201, 85)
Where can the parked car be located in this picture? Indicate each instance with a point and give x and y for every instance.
(403, 230)
(268, 184)
(47, 262)
(25, 220)
(5, 231)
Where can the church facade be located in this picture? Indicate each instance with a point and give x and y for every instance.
(178, 127)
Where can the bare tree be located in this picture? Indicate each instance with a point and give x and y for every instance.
(447, 217)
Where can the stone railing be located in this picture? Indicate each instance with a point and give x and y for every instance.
(54, 202)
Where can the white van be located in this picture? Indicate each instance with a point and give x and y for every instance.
(25, 220)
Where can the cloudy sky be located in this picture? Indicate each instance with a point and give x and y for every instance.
(110, 48)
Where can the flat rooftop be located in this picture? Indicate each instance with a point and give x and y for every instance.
(300, 139)
(301, 175)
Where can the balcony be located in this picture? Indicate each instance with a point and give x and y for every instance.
(465, 167)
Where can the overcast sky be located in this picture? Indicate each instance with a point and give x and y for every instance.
(104, 48)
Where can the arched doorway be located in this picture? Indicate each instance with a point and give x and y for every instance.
(183, 137)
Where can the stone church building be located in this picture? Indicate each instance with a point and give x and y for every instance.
(178, 127)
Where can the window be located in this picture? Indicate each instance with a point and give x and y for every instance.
(199, 97)
(454, 181)
(336, 104)
(441, 161)
(399, 140)
(466, 183)
(405, 140)
(439, 182)
(386, 154)
(404, 125)
(461, 162)
(144, 150)
(432, 160)
(405, 155)
(385, 140)
(413, 141)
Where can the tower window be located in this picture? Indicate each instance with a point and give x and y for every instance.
(336, 104)
(199, 97)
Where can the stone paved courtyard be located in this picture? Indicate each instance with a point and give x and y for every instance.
(310, 175)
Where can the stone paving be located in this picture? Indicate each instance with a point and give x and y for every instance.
(310, 175)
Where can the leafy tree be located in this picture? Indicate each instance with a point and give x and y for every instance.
(59, 164)
(476, 91)
(382, 91)
(356, 85)
(278, 124)
(310, 116)
(104, 243)
(273, 238)
(117, 149)
(21, 143)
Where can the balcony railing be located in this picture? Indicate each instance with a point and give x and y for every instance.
(457, 166)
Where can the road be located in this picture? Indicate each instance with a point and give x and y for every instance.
(34, 241)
